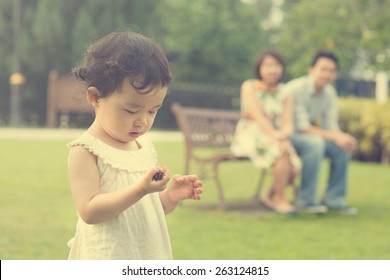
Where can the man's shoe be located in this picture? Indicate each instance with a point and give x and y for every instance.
(344, 210)
(313, 209)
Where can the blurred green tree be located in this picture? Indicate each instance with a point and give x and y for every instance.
(213, 41)
(355, 30)
(54, 34)
(207, 41)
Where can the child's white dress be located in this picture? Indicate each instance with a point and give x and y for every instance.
(140, 232)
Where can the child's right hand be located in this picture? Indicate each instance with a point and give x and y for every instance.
(150, 184)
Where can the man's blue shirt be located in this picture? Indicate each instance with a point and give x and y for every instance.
(313, 108)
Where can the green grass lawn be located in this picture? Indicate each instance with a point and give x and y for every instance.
(37, 215)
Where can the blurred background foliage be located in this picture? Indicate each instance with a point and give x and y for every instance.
(355, 30)
(211, 44)
(369, 122)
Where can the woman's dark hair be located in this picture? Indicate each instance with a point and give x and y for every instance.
(260, 61)
(325, 54)
(121, 55)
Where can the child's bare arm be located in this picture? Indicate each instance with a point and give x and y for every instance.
(95, 206)
(182, 187)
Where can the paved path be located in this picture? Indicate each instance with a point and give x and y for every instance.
(70, 134)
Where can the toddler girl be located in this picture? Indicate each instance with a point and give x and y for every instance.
(120, 192)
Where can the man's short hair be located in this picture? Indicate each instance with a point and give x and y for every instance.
(325, 54)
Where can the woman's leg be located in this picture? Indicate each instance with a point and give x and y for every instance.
(277, 194)
(280, 174)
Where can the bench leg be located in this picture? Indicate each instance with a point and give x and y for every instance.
(259, 187)
(187, 163)
(221, 195)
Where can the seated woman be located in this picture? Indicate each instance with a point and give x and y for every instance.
(262, 132)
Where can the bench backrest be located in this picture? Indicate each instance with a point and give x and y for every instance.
(206, 127)
(64, 95)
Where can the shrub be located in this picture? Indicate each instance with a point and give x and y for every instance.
(369, 122)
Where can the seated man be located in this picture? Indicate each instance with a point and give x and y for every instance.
(317, 134)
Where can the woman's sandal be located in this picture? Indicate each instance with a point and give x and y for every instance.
(267, 203)
(284, 208)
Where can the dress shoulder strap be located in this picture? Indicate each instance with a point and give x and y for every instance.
(145, 157)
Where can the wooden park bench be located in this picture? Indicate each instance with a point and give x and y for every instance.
(64, 96)
(212, 129)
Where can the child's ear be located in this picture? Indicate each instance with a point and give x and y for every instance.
(93, 96)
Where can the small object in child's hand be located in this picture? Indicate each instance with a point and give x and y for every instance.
(158, 176)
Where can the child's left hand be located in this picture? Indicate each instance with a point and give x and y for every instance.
(185, 187)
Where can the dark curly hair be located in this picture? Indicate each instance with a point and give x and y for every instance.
(121, 55)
